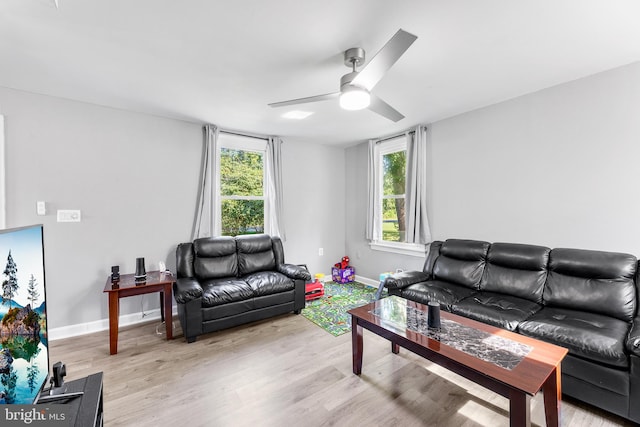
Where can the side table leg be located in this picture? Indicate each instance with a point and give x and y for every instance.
(356, 342)
(168, 311)
(162, 306)
(114, 314)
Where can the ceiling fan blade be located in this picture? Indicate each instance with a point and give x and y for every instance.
(377, 105)
(316, 98)
(373, 72)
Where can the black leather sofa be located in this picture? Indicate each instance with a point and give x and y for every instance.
(586, 301)
(227, 281)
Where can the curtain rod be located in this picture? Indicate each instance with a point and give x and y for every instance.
(394, 136)
(248, 135)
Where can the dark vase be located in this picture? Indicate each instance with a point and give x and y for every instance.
(433, 315)
(141, 273)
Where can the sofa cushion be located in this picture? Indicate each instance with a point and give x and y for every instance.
(226, 310)
(588, 335)
(461, 262)
(515, 269)
(223, 291)
(594, 281)
(503, 311)
(435, 290)
(255, 253)
(215, 257)
(269, 282)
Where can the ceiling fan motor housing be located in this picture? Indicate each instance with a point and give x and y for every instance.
(352, 56)
(347, 79)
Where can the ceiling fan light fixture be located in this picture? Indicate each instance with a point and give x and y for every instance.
(354, 98)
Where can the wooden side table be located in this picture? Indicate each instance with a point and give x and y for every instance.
(127, 286)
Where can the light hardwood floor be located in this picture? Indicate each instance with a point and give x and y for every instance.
(287, 372)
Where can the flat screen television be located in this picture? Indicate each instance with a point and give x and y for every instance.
(24, 353)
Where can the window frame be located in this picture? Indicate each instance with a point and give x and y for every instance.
(250, 144)
(393, 145)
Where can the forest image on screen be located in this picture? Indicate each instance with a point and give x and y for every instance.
(24, 362)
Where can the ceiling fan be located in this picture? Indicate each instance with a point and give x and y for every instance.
(356, 86)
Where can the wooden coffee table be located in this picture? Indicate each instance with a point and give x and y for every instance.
(512, 365)
(127, 286)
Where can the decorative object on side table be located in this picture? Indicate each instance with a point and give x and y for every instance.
(115, 273)
(141, 272)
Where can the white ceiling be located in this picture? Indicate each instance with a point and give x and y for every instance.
(222, 62)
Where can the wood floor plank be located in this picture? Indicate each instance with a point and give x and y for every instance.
(284, 371)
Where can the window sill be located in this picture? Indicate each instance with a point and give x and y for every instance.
(412, 249)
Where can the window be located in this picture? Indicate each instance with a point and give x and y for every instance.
(242, 196)
(393, 158)
(389, 200)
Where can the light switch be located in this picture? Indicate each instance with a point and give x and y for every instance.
(69, 215)
(41, 208)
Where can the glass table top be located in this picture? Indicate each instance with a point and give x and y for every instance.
(394, 313)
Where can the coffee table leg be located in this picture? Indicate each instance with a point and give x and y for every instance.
(356, 343)
(552, 390)
(519, 409)
(114, 313)
(395, 348)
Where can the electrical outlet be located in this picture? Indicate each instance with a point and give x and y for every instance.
(41, 208)
(321, 251)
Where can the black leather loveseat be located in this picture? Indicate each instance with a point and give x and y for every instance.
(586, 301)
(227, 281)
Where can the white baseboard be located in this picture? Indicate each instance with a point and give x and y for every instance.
(103, 324)
(367, 281)
(135, 318)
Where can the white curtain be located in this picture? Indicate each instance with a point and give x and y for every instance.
(207, 221)
(273, 224)
(416, 187)
(373, 230)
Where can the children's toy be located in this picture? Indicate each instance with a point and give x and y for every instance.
(314, 290)
(342, 264)
(342, 272)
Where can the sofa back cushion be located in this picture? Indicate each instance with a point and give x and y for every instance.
(215, 257)
(461, 262)
(515, 269)
(593, 281)
(184, 260)
(432, 256)
(255, 253)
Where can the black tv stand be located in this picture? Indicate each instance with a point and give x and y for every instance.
(82, 398)
(49, 398)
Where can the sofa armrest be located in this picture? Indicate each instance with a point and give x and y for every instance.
(404, 279)
(294, 271)
(186, 289)
(633, 339)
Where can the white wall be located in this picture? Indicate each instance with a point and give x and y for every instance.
(131, 176)
(135, 178)
(557, 167)
(314, 176)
